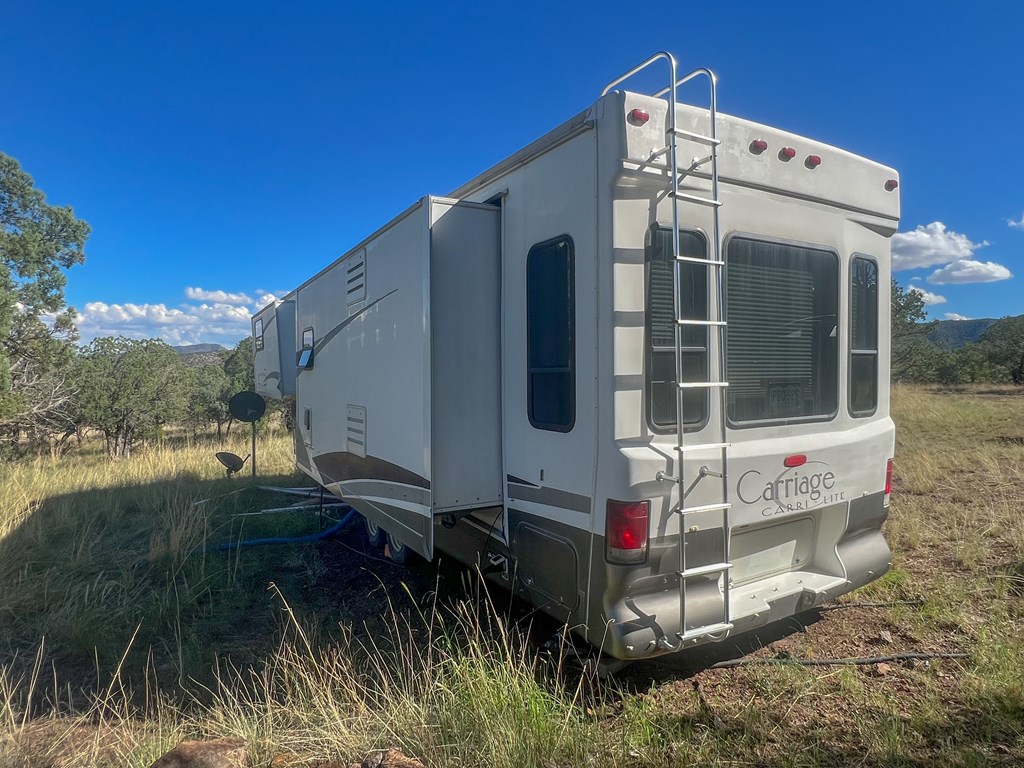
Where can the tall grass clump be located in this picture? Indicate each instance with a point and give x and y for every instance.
(458, 685)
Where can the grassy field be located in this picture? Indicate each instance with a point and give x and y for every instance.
(120, 634)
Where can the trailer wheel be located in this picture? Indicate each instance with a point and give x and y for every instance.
(375, 534)
(400, 552)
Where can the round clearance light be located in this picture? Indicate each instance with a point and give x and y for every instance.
(796, 460)
(891, 184)
(757, 146)
(787, 153)
(639, 116)
(812, 161)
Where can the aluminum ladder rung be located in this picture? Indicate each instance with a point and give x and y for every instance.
(701, 447)
(702, 323)
(696, 199)
(703, 262)
(704, 570)
(700, 138)
(710, 629)
(703, 508)
(702, 384)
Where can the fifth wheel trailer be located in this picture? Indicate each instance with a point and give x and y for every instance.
(638, 371)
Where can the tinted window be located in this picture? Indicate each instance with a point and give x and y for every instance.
(550, 329)
(782, 337)
(661, 361)
(863, 336)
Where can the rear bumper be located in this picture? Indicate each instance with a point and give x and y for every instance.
(642, 609)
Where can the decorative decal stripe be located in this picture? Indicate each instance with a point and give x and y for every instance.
(340, 466)
(329, 336)
(382, 490)
(552, 497)
(519, 481)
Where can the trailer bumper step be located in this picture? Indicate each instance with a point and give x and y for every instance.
(704, 570)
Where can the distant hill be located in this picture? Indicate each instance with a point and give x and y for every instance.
(196, 349)
(953, 334)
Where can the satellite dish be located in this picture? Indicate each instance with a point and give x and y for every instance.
(232, 462)
(247, 406)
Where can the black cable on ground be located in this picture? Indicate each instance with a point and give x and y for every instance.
(853, 661)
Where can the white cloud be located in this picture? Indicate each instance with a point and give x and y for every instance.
(930, 245)
(1016, 223)
(969, 271)
(929, 298)
(265, 297)
(220, 297)
(955, 316)
(190, 324)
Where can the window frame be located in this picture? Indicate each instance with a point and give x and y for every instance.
(258, 334)
(652, 425)
(824, 250)
(851, 352)
(571, 279)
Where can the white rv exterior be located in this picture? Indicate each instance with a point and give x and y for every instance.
(273, 336)
(494, 374)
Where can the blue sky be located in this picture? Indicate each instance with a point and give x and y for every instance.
(224, 150)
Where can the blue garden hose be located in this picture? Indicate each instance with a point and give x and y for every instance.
(326, 533)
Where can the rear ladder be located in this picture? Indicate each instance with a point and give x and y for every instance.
(715, 630)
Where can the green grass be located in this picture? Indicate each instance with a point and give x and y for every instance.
(119, 636)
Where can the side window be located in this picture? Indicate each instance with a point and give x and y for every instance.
(551, 335)
(863, 336)
(660, 314)
(258, 334)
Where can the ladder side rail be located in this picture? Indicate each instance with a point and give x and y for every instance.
(722, 338)
(643, 65)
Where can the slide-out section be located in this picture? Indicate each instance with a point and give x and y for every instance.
(398, 379)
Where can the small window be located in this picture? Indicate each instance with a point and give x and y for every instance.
(551, 335)
(863, 336)
(258, 334)
(661, 356)
(306, 353)
(782, 341)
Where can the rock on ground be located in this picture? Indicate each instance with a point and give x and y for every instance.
(211, 753)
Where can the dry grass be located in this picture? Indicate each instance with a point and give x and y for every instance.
(119, 637)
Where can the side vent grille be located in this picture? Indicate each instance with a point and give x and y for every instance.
(356, 430)
(355, 277)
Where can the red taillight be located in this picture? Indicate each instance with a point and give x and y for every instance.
(813, 161)
(891, 184)
(639, 116)
(787, 153)
(796, 460)
(757, 146)
(888, 480)
(626, 531)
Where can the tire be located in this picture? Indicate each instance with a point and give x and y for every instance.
(375, 534)
(400, 553)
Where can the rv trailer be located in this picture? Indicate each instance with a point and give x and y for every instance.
(638, 372)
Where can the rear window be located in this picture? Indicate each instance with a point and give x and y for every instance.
(863, 336)
(782, 304)
(661, 359)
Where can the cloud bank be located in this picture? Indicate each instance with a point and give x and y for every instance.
(930, 245)
(929, 298)
(969, 271)
(934, 245)
(220, 317)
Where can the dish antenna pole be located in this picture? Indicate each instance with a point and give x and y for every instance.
(248, 406)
